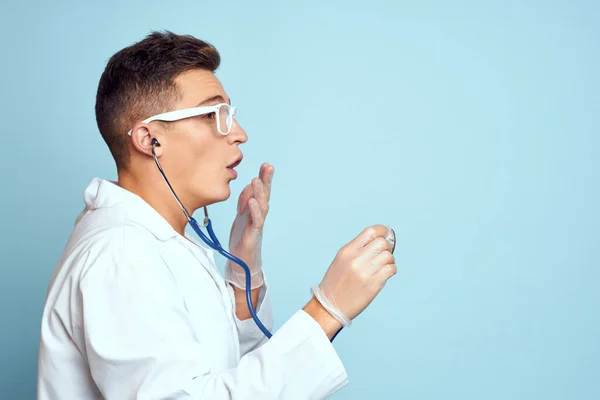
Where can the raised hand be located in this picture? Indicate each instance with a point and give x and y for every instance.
(245, 241)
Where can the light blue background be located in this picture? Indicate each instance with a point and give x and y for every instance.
(470, 127)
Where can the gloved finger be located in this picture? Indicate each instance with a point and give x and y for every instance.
(243, 200)
(260, 196)
(256, 215)
(266, 176)
(389, 270)
(375, 247)
(383, 258)
(368, 235)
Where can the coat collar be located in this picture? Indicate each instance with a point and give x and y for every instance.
(101, 193)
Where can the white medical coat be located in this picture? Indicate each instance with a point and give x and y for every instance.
(134, 310)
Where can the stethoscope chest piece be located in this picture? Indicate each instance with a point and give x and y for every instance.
(391, 238)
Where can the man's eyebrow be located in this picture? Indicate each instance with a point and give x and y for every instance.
(217, 98)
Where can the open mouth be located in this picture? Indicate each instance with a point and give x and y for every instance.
(231, 167)
(236, 163)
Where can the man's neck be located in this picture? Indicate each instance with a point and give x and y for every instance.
(159, 197)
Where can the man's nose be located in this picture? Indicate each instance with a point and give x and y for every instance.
(237, 134)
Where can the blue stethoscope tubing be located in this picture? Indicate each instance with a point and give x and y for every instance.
(215, 245)
(213, 242)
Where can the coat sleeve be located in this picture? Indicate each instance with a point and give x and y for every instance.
(139, 344)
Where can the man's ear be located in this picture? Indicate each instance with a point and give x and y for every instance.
(142, 139)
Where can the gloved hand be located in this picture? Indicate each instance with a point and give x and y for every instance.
(357, 274)
(245, 240)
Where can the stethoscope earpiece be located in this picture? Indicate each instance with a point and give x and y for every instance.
(155, 142)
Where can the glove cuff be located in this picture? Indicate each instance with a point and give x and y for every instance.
(331, 309)
(238, 278)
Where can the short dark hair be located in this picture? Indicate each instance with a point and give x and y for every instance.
(139, 81)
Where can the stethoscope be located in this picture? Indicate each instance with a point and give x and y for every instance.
(214, 244)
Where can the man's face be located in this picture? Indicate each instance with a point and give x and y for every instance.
(197, 157)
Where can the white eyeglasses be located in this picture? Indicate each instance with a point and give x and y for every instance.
(223, 112)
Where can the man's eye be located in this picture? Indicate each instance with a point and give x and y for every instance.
(209, 115)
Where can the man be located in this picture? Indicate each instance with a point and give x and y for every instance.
(136, 308)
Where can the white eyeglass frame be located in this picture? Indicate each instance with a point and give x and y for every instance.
(194, 112)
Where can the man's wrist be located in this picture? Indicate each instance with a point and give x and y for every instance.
(328, 323)
(241, 303)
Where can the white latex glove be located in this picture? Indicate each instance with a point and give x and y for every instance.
(357, 274)
(245, 241)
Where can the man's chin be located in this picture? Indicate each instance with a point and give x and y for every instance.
(220, 195)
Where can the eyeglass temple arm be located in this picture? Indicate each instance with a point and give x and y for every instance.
(179, 114)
